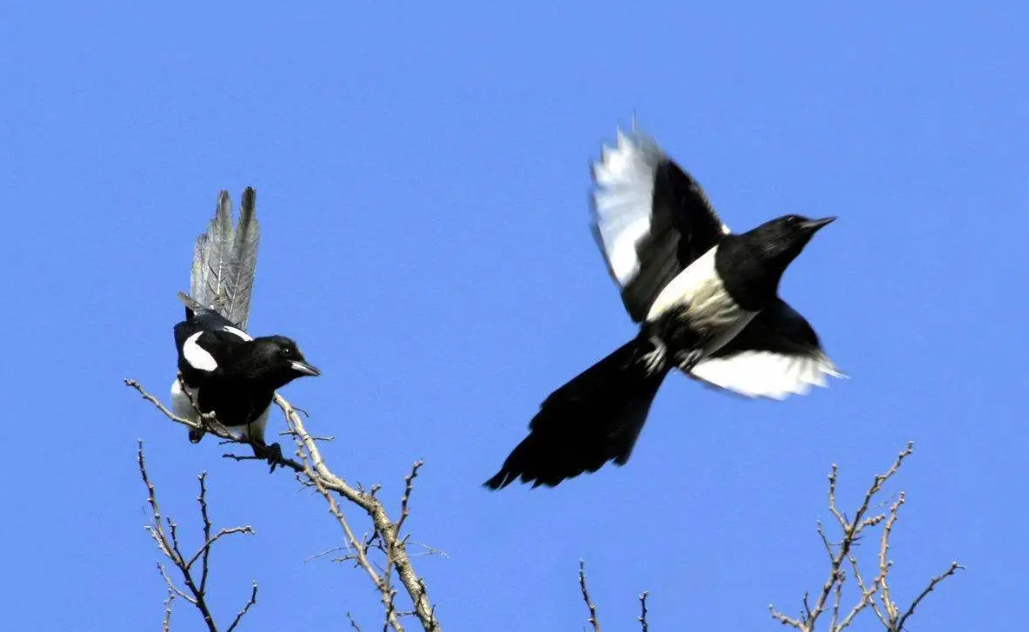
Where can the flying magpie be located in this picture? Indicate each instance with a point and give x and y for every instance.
(706, 301)
(223, 370)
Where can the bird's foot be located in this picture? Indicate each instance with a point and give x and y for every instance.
(654, 360)
(271, 453)
(688, 360)
(195, 435)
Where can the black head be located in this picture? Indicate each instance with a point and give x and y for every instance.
(782, 239)
(277, 360)
(752, 263)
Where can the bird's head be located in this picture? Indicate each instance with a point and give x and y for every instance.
(278, 360)
(752, 263)
(782, 239)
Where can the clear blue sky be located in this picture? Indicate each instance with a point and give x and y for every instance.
(422, 178)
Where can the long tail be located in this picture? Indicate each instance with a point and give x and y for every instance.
(225, 260)
(593, 419)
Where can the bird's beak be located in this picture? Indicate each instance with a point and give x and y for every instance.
(815, 224)
(304, 369)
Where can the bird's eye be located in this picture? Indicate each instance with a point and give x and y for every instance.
(287, 352)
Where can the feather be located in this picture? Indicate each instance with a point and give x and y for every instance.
(224, 262)
(211, 256)
(239, 282)
(192, 305)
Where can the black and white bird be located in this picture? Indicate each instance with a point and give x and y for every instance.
(706, 301)
(222, 368)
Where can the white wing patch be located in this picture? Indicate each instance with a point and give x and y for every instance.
(700, 275)
(622, 200)
(197, 356)
(766, 374)
(239, 333)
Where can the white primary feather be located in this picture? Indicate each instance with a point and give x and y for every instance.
(197, 356)
(766, 374)
(622, 200)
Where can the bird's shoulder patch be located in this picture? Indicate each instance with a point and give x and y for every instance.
(650, 218)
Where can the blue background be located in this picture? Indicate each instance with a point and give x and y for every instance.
(422, 178)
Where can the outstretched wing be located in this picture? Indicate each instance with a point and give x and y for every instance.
(225, 260)
(650, 218)
(777, 354)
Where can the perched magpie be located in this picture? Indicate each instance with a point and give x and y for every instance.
(223, 369)
(706, 301)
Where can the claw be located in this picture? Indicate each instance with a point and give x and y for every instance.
(689, 360)
(271, 453)
(654, 360)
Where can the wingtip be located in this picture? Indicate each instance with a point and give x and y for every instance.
(499, 481)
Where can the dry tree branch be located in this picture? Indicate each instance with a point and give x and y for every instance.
(353, 624)
(168, 542)
(317, 472)
(312, 471)
(875, 594)
(166, 624)
(586, 597)
(593, 620)
(210, 425)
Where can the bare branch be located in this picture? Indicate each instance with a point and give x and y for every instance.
(353, 623)
(954, 567)
(586, 597)
(408, 488)
(166, 623)
(876, 594)
(212, 426)
(643, 611)
(316, 470)
(168, 542)
(246, 607)
(312, 471)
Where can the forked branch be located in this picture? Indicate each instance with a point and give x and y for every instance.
(164, 531)
(312, 471)
(876, 594)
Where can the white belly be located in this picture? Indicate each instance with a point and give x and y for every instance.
(710, 309)
(182, 406)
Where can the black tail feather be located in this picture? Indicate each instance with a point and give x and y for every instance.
(593, 419)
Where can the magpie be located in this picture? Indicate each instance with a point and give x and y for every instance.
(706, 302)
(223, 369)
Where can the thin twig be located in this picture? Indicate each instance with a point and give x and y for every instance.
(166, 624)
(168, 543)
(213, 427)
(314, 472)
(586, 597)
(385, 528)
(408, 488)
(954, 567)
(886, 612)
(246, 607)
(643, 611)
